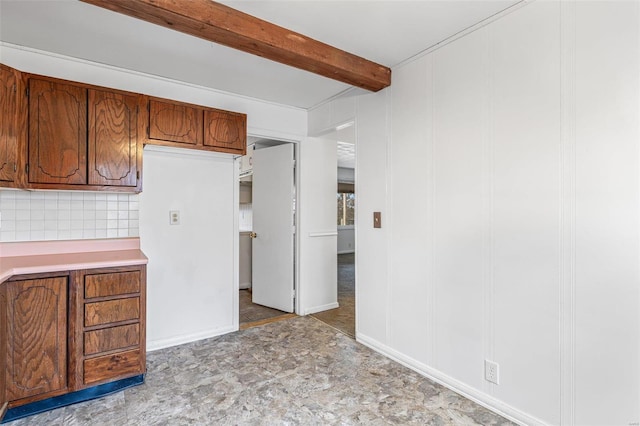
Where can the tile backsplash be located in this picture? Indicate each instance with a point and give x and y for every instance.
(66, 215)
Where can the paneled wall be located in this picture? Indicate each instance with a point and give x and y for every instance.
(505, 164)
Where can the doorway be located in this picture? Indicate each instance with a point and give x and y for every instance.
(343, 317)
(267, 233)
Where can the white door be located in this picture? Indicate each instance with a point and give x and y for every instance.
(273, 198)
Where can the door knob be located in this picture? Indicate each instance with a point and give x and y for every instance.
(253, 235)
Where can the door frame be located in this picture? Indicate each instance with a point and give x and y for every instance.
(296, 221)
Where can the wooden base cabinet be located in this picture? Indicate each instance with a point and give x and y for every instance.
(110, 312)
(36, 317)
(62, 333)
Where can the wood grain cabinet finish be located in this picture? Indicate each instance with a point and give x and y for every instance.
(63, 135)
(63, 332)
(110, 311)
(111, 284)
(110, 318)
(178, 124)
(8, 123)
(113, 139)
(36, 338)
(226, 131)
(79, 136)
(114, 365)
(57, 133)
(112, 338)
(175, 122)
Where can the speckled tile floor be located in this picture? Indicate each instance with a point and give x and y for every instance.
(294, 372)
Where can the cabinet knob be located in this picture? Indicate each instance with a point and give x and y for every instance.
(253, 235)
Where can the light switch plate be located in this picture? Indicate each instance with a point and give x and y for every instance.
(174, 217)
(377, 219)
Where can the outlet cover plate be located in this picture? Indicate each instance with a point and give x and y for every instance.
(491, 371)
(174, 217)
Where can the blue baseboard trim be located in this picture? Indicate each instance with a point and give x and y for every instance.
(71, 398)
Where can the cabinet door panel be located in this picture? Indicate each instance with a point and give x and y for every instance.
(37, 337)
(57, 133)
(175, 122)
(113, 139)
(225, 130)
(8, 116)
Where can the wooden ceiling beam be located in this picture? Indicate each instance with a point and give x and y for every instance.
(221, 24)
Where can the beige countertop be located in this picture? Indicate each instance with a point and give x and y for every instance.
(30, 257)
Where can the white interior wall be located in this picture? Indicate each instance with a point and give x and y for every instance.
(317, 257)
(192, 289)
(372, 260)
(346, 239)
(520, 144)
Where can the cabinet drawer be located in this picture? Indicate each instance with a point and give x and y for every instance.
(111, 284)
(98, 313)
(113, 366)
(109, 339)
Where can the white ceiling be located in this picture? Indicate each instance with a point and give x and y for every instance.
(387, 32)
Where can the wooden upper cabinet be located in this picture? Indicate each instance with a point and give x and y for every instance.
(82, 137)
(57, 133)
(183, 125)
(113, 139)
(175, 122)
(226, 131)
(66, 135)
(36, 337)
(8, 123)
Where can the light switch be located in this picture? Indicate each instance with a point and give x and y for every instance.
(174, 217)
(377, 219)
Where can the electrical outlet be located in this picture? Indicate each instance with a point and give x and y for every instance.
(492, 371)
(174, 217)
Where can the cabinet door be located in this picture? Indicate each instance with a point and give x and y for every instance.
(36, 337)
(57, 133)
(225, 131)
(113, 139)
(8, 129)
(174, 122)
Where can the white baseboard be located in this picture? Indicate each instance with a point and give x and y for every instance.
(346, 251)
(154, 345)
(321, 308)
(244, 286)
(457, 386)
